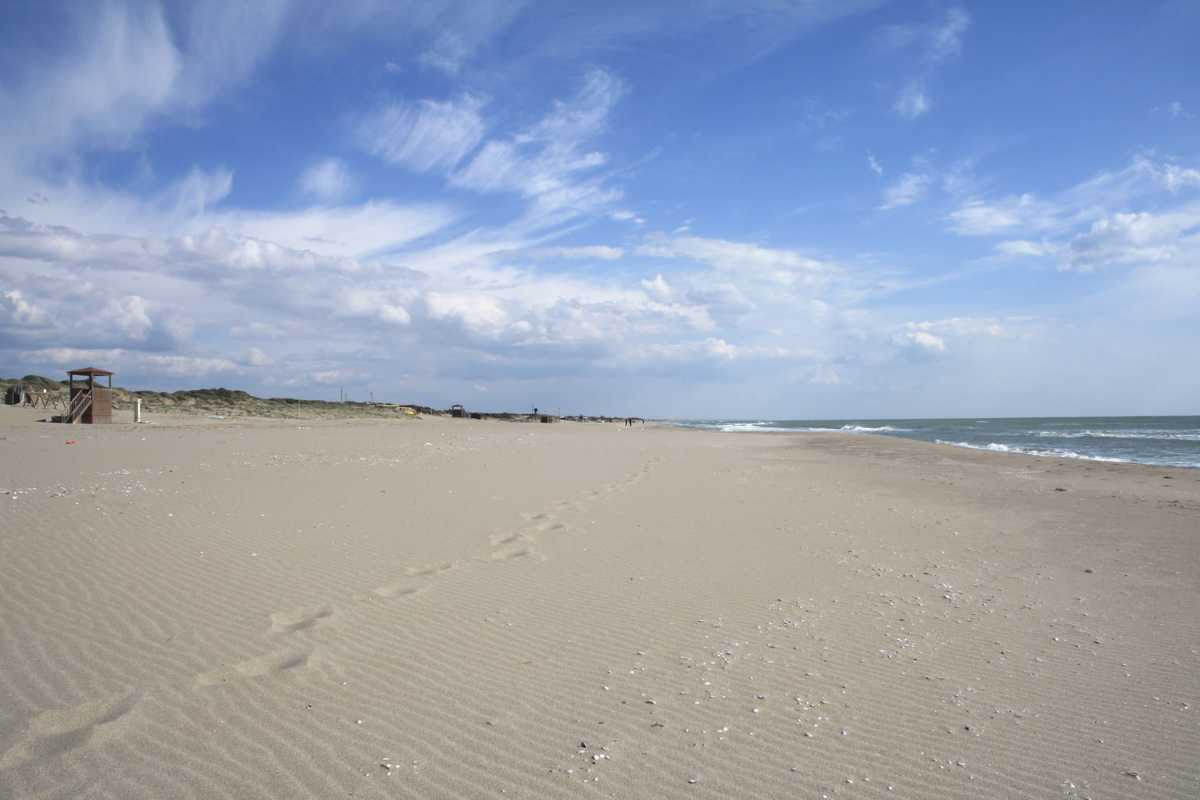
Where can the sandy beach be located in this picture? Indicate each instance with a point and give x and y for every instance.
(425, 608)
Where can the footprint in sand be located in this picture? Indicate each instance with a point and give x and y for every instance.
(283, 661)
(509, 553)
(430, 569)
(498, 539)
(51, 733)
(399, 588)
(414, 581)
(299, 619)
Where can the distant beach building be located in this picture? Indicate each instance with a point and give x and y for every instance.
(88, 401)
(457, 410)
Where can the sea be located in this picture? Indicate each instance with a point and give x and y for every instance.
(1164, 441)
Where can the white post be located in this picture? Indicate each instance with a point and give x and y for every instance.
(137, 410)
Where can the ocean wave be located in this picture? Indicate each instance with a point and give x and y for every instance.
(1162, 435)
(868, 429)
(749, 427)
(996, 447)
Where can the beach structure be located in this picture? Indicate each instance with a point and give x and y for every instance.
(16, 395)
(89, 402)
(457, 410)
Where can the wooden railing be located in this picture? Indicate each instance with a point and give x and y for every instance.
(79, 404)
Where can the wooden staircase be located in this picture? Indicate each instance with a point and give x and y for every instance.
(80, 403)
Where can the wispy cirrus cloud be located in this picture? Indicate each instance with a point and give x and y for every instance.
(549, 163)
(933, 42)
(130, 64)
(423, 136)
(908, 189)
(912, 101)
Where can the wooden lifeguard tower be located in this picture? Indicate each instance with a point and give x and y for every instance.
(89, 402)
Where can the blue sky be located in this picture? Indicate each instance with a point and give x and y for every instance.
(805, 210)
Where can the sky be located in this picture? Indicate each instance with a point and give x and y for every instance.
(756, 209)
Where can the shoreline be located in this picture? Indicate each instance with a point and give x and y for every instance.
(887, 431)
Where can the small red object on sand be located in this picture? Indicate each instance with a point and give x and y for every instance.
(70, 441)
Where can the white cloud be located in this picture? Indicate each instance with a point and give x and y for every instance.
(331, 377)
(1175, 109)
(908, 189)
(424, 136)
(625, 215)
(1174, 177)
(936, 40)
(926, 340)
(1135, 238)
(1093, 223)
(119, 359)
(658, 288)
(719, 348)
(447, 54)
(346, 231)
(129, 315)
(912, 101)
(545, 162)
(327, 181)
(255, 357)
(874, 164)
(482, 313)
(15, 309)
(381, 303)
(1024, 247)
(127, 64)
(945, 40)
(979, 218)
(598, 252)
(723, 254)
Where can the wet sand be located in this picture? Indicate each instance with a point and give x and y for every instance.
(450, 608)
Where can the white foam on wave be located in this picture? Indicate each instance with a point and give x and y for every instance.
(750, 427)
(1162, 435)
(996, 447)
(868, 429)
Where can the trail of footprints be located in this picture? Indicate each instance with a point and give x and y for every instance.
(51, 733)
(505, 546)
(54, 732)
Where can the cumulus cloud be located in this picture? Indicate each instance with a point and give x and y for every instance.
(921, 339)
(1135, 238)
(1095, 223)
(16, 310)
